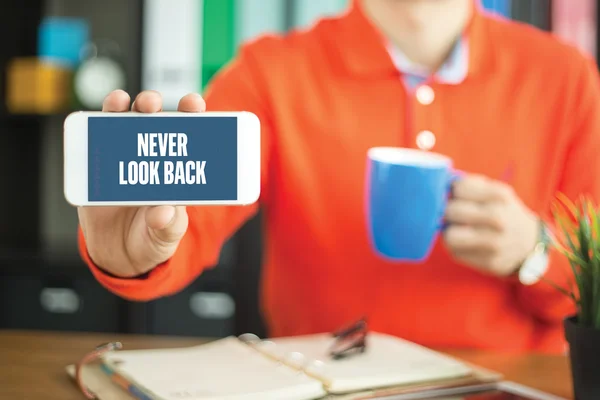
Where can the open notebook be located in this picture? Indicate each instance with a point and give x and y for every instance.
(293, 368)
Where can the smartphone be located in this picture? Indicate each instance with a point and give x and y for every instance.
(173, 158)
(493, 391)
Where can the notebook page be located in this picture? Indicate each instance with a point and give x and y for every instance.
(225, 369)
(387, 361)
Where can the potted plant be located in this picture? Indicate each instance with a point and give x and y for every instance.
(577, 237)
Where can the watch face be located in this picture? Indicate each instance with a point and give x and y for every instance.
(534, 268)
(95, 79)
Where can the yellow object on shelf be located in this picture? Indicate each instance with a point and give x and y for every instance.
(37, 87)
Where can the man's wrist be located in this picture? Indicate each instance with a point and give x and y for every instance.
(109, 274)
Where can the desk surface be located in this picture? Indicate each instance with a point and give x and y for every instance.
(32, 364)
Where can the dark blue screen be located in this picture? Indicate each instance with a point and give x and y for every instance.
(162, 158)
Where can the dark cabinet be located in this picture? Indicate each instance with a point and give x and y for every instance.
(205, 308)
(54, 298)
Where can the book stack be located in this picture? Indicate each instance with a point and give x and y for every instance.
(42, 84)
(499, 7)
(575, 22)
(534, 12)
(172, 52)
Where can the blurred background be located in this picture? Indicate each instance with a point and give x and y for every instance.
(57, 56)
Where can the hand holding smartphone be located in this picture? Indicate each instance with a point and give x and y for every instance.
(136, 159)
(132, 170)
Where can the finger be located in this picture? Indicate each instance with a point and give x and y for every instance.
(192, 102)
(476, 256)
(473, 213)
(116, 101)
(475, 260)
(168, 224)
(484, 261)
(148, 101)
(480, 189)
(82, 221)
(158, 217)
(468, 238)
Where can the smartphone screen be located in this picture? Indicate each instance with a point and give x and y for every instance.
(162, 158)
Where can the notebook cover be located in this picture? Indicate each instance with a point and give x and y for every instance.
(99, 383)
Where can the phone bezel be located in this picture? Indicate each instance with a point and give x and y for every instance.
(76, 158)
(504, 386)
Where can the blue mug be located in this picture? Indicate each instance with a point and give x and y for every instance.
(407, 192)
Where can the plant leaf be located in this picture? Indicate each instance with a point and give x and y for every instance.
(568, 203)
(562, 290)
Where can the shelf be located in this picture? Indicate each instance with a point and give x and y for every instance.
(35, 261)
(6, 116)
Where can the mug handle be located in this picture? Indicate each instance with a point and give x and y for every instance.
(455, 175)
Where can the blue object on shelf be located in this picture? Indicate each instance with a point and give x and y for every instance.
(501, 7)
(60, 40)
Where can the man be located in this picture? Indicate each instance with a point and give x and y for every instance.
(515, 109)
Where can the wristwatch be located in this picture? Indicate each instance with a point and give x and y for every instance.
(536, 264)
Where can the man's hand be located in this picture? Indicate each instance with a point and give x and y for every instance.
(129, 241)
(489, 227)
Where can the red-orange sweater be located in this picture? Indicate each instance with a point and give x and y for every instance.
(529, 112)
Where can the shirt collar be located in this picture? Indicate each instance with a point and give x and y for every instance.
(363, 50)
(453, 71)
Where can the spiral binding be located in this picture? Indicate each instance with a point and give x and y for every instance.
(349, 341)
(295, 360)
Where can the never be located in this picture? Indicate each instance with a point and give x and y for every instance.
(162, 144)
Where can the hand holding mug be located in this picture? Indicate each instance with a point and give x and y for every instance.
(413, 196)
(489, 227)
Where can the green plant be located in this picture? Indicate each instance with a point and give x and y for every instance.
(578, 238)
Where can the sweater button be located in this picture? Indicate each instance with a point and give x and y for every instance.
(425, 95)
(425, 140)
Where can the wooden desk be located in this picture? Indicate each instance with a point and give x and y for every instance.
(32, 364)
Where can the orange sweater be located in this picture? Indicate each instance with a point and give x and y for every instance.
(528, 112)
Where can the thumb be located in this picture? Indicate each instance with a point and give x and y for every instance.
(167, 224)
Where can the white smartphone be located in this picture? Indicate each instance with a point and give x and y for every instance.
(174, 158)
(504, 390)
